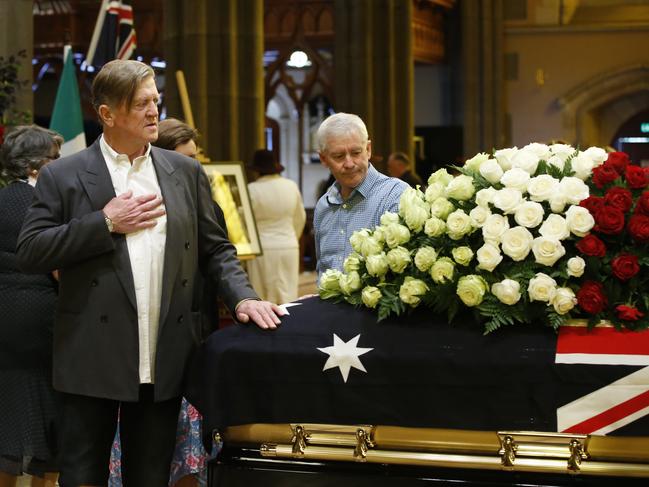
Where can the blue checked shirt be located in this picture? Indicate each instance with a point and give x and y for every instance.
(335, 219)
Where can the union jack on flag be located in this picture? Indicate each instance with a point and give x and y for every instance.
(618, 403)
(114, 35)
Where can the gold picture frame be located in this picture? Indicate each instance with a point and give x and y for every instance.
(230, 190)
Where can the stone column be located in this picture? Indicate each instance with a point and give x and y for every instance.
(218, 44)
(482, 52)
(16, 34)
(374, 70)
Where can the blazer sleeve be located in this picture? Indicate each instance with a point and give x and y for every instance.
(47, 242)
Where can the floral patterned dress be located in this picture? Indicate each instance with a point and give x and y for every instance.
(189, 457)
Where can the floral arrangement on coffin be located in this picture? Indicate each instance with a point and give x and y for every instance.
(504, 238)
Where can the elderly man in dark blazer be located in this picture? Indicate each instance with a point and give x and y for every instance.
(128, 226)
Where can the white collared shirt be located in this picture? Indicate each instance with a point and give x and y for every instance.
(146, 249)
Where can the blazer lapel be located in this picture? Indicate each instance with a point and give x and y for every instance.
(175, 205)
(98, 185)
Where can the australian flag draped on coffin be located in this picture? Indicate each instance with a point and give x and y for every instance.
(333, 363)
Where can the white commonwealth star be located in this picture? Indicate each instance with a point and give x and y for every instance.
(344, 355)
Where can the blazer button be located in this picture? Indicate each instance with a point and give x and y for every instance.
(103, 319)
(180, 319)
(94, 283)
(184, 283)
(187, 245)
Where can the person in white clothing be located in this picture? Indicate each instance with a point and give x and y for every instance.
(279, 211)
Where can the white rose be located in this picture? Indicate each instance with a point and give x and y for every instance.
(576, 266)
(379, 234)
(471, 289)
(529, 214)
(579, 220)
(371, 296)
(557, 161)
(541, 151)
(564, 300)
(357, 239)
(504, 157)
(547, 250)
(462, 255)
(479, 215)
(441, 208)
(488, 257)
(485, 196)
(597, 155)
(352, 262)
(541, 188)
(562, 150)
(425, 257)
(389, 217)
(508, 200)
(370, 246)
(398, 259)
(396, 234)
(377, 265)
(491, 171)
(330, 280)
(476, 162)
(526, 160)
(411, 291)
(582, 165)
(440, 176)
(458, 224)
(541, 288)
(507, 291)
(558, 202)
(516, 243)
(516, 178)
(574, 190)
(415, 216)
(555, 227)
(434, 191)
(494, 227)
(442, 270)
(350, 282)
(461, 188)
(435, 227)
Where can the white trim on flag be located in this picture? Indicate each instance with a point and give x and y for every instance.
(601, 359)
(74, 145)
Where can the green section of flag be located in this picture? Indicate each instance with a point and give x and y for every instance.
(67, 118)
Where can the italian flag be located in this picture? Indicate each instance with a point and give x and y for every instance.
(67, 118)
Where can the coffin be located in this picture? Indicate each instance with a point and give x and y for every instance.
(415, 398)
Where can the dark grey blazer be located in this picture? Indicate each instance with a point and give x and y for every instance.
(96, 329)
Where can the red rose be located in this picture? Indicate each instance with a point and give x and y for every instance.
(592, 203)
(604, 175)
(636, 177)
(628, 313)
(591, 297)
(609, 220)
(639, 228)
(642, 205)
(592, 246)
(625, 266)
(620, 198)
(619, 161)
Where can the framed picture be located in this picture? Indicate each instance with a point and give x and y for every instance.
(230, 190)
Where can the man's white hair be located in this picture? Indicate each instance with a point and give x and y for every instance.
(338, 125)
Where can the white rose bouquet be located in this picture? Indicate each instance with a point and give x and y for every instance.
(499, 239)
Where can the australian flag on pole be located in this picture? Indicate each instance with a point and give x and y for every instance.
(114, 35)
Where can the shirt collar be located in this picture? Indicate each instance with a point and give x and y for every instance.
(114, 158)
(335, 198)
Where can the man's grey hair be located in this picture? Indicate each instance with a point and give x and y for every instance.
(116, 83)
(338, 125)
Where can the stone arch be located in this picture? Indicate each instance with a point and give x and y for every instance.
(594, 109)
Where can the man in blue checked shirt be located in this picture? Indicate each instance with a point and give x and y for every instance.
(360, 194)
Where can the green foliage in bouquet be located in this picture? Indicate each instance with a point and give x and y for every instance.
(499, 239)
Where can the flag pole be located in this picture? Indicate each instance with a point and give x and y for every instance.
(184, 98)
(95, 33)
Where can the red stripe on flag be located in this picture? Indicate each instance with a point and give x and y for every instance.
(608, 340)
(616, 413)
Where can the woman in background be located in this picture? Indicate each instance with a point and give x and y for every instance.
(280, 216)
(27, 305)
